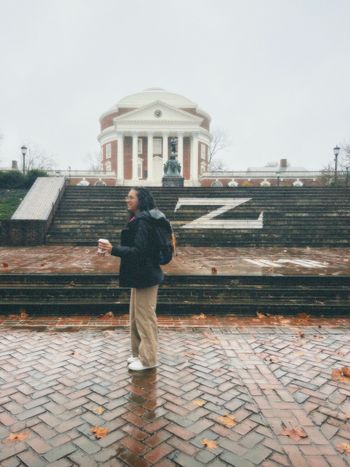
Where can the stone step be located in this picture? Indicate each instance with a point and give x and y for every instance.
(244, 308)
(292, 217)
(90, 293)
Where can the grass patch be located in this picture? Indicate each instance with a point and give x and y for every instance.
(9, 201)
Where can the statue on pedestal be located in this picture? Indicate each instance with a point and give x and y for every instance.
(172, 168)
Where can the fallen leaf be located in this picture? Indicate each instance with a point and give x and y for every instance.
(214, 270)
(99, 410)
(295, 433)
(5, 265)
(301, 334)
(99, 432)
(72, 284)
(211, 337)
(200, 316)
(285, 321)
(303, 316)
(17, 436)
(346, 371)
(209, 443)
(107, 315)
(271, 359)
(198, 402)
(338, 375)
(261, 315)
(344, 447)
(227, 420)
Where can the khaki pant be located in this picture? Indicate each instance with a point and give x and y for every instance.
(143, 324)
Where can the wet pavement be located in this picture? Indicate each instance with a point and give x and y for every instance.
(227, 391)
(189, 260)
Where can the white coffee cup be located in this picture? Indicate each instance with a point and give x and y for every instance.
(101, 252)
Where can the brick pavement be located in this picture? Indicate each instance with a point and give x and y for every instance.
(56, 386)
(189, 260)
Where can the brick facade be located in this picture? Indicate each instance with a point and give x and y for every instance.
(107, 121)
(205, 124)
(187, 158)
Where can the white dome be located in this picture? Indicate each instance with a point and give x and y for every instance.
(155, 94)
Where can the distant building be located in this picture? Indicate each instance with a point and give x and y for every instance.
(271, 174)
(136, 133)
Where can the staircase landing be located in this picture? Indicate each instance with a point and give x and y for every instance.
(269, 261)
(241, 281)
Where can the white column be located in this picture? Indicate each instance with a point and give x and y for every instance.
(150, 156)
(194, 158)
(120, 157)
(135, 155)
(165, 148)
(180, 151)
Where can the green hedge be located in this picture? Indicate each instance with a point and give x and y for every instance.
(16, 179)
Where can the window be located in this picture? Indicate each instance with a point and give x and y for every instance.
(108, 150)
(140, 168)
(157, 146)
(139, 142)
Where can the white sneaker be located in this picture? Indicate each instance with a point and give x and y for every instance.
(137, 366)
(132, 359)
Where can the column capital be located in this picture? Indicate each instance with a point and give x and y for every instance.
(135, 133)
(150, 133)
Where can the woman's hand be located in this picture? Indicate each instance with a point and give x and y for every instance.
(105, 247)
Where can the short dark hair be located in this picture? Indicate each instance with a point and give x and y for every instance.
(144, 198)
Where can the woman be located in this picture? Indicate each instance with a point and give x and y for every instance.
(140, 270)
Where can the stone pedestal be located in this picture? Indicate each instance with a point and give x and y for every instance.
(174, 181)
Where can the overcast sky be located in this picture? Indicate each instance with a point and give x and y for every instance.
(275, 74)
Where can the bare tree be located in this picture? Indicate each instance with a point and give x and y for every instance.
(94, 160)
(327, 174)
(37, 158)
(345, 156)
(220, 141)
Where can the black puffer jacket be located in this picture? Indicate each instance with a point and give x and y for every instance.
(138, 264)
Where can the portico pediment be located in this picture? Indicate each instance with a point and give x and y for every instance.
(158, 112)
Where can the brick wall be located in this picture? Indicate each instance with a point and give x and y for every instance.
(108, 119)
(127, 157)
(143, 156)
(205, 123)
(187, 158)
(256, 182)
(92, 180)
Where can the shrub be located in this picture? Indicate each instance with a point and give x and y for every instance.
(11, 179)
(32, 175)
(16, 179)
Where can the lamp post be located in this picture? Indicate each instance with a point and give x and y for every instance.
(24, 152)
(336, 151)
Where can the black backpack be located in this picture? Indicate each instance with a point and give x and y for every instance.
(165, 242)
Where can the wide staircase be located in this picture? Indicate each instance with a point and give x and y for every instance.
(180, 294)
(280, 217)
(273, 216)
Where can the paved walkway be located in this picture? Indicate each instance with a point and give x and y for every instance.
(189, 260)
(222, 395)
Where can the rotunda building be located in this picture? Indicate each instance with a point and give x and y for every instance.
(137, 132)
